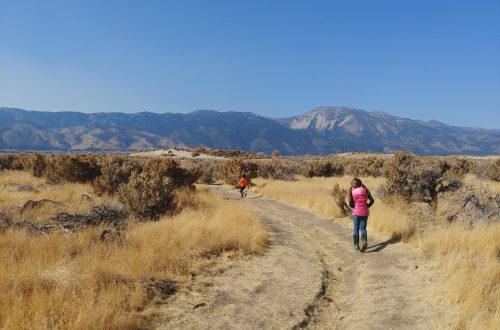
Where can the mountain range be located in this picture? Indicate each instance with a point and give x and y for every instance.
(324, 130)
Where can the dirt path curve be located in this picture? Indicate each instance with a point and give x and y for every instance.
(310, 277)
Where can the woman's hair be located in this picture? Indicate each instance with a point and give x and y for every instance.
(357, 183)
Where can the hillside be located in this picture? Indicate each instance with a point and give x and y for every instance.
(343, 129)
(321, 131)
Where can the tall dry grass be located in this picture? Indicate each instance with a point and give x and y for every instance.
(473, 179)
(66, 197)
(77, 281)
(315, 194)
(466, 258)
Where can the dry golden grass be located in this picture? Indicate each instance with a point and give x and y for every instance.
(314, 194)
(76, 281)
(466, 258)
(19, 177)
(472, 179)
(68, 196)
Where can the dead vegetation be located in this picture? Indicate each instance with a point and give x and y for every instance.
(492, 170)
(418, 180)
(439, 205)
(78, 249)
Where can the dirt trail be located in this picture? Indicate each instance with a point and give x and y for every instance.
(310, 277)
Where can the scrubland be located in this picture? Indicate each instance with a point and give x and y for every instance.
(115, 236)
(85, 255)
(458, 229)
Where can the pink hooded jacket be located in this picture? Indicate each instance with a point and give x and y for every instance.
(360, 198)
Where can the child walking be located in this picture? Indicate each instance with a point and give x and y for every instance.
(244, 182)
(360, 200)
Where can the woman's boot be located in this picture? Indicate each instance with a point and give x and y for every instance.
(364, 242)
(356, 242)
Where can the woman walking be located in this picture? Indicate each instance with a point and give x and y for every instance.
(360, 200)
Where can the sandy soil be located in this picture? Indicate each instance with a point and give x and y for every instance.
(172, 153)
(311, 277)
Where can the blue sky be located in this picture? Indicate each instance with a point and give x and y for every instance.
(426, 59)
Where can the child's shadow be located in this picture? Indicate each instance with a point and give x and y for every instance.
(380, 246)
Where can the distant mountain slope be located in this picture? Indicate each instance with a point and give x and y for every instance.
(342, 129)
(321, 131)
(34, 130)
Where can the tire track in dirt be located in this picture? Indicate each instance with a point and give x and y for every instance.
(310, 277)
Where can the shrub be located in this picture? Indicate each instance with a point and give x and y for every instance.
(472, 206)
(99, 215)
(277, 169)
(492, 170)
(10, 162)
(368, 166)
(115, 171)
(415, 180)
(232, 170)
(150, 193)
(339, 195)
(325, 168)
(459, 167)
(276, 153)
(35, 163)
(71, 168)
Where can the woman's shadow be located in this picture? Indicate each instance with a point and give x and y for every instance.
(380, 246)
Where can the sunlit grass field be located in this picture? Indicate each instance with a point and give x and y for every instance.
(467, 258)
(62, 280)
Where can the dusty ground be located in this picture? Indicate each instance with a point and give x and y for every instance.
(311, 278)
(172, 153)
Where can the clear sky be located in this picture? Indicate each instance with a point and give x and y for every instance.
(425, 59)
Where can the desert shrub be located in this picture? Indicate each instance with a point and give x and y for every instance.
(5, 220)
(71, 168)
(459, 167)
(276, 169)
(492, 170)
(276, 153)
(206, 177)
(34, 163)
(339, 196)
(324, 168)
(10, 162)
(150, 193)
(99, 215)
(4, 162)
(231, 170)
(368, 166)
(115, 171)
(195, 153)
(206, 171)
(472, 206)
(414, 179)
